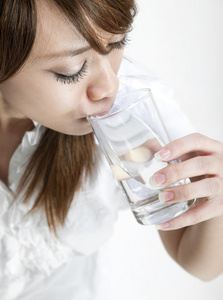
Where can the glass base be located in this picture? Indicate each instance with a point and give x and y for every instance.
(164, 214)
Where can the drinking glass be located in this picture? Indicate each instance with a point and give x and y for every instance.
(129, 135)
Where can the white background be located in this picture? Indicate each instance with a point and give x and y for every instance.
(182, 43)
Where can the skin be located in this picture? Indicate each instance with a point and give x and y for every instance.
(197, 248)
(35, 93)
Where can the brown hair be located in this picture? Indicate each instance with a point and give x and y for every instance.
(60, 162)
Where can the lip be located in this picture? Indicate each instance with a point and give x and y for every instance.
(101, 113)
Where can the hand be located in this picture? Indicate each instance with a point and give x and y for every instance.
(202, 162)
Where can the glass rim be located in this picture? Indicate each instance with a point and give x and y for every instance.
(128, 106)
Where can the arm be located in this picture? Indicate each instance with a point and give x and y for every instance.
(195, 239)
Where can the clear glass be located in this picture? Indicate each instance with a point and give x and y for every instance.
(129, 135)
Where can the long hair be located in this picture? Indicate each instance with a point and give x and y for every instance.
(61, 161)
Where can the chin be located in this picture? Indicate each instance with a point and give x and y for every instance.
(79, 132)
(75, 129)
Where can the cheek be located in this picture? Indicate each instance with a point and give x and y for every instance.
(35, 96)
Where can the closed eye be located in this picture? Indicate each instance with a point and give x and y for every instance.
(72, 78)
(82, 72)
(120, 44)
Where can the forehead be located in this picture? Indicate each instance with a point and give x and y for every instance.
(54, 31)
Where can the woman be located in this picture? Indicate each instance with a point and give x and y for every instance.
(59, 61)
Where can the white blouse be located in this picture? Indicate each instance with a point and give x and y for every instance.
(34, 264)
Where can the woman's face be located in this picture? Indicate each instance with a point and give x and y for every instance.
(64, 80)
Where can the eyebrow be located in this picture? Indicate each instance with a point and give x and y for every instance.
(72, 53)
(67, 53)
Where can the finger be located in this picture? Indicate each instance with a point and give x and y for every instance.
(207, 187)
(196, 214)
(197, 166)
(191, 143)
(153, 145)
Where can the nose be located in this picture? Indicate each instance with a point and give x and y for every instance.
(105, 83)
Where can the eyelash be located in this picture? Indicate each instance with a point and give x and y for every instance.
(73, 78)
(67, 79)
(122, 43)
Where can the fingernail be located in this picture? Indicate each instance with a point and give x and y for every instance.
(163, 154)
(152, 183)
(166, 196)
(163, 226)
(159, 179)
